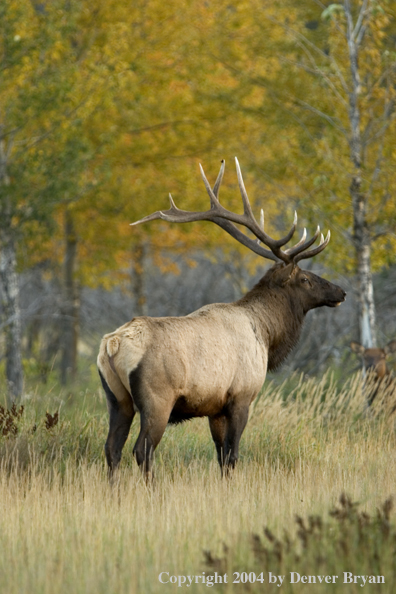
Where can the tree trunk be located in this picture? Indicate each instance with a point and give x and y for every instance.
(137, 279)
(361, 233)
(10, 287)
(11, 317)
(365, 282)
(70, 306)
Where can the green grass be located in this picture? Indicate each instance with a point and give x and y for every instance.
(64, 529)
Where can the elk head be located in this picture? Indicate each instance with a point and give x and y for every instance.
(374, 359)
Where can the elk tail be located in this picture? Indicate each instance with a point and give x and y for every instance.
(112, 346)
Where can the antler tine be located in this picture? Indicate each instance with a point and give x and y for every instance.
(247, 219)
(166, 215)
(219, 179)
(303, 245)
(225, 218)
(246, 204)
(152, 217)
(301, 241)
(213, 194)
(176, 215)
(273, 244)
(303, 238)
(172, 203)
(262, 219)
(323, 243)
(261, 223)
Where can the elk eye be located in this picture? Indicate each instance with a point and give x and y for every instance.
(304, 279)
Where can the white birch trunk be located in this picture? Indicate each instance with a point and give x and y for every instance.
(361, 233)
(9, 286)
(11, 317)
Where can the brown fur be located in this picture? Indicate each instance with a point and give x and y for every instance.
(210, 363)
(374, 363)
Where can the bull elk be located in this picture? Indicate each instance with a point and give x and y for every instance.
(374, 363)
(212, 362)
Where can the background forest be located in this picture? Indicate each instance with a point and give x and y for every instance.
(106, 107)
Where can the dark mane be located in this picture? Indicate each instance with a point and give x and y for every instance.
(277, 314)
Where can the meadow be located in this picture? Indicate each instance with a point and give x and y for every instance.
(309, 453)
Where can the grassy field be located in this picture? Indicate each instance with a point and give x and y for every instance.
(64, 529)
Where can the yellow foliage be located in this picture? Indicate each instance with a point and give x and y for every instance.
(124, 100)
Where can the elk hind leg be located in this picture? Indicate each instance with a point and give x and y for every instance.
(121, 413)
(152, 428)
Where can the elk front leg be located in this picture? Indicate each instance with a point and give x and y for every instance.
(218, 429)
(236, 423)
(226, 430)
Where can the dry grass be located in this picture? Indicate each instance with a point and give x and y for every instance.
(64, 529)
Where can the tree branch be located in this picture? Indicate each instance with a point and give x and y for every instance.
(360, 29)
(317, 71)
(323, 115)
(316, 49)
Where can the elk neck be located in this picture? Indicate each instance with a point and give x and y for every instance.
(277, 318)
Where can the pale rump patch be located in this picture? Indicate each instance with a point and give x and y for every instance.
(121, 352)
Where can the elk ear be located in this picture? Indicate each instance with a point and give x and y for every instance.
(283, 274)
(357, 348)
(390, 347)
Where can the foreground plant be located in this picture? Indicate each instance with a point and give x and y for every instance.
(352, 547)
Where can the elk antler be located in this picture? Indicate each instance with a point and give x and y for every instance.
(226, 219)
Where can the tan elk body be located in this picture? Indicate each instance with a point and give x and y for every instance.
(212, 362)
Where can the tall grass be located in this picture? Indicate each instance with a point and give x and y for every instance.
(64, 529)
